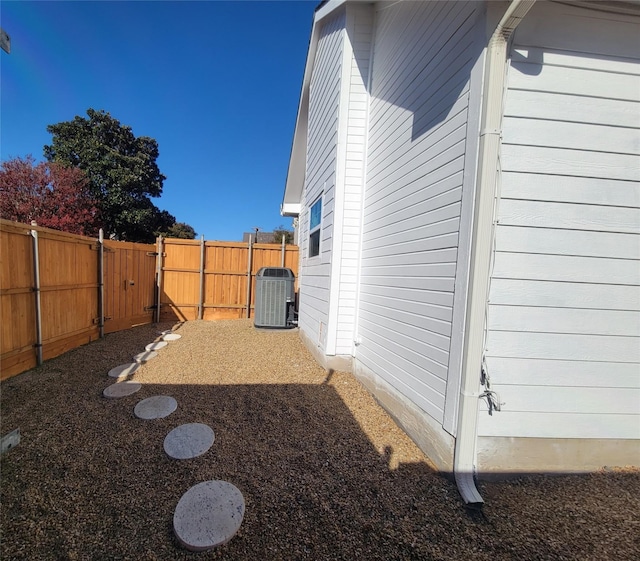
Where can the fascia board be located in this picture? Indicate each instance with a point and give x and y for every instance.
(290, 209)
(298, 158)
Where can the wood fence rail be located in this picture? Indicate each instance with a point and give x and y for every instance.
(215, 280)
(59, 291)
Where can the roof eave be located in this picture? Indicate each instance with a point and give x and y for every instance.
(297, 160)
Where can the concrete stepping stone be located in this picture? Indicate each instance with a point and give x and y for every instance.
(171, 337)
(121, 389)
(165, 332)
(155, 407)
(145, 356)
(209, 514)
(156, 346)
(188, 441)
(124, 370)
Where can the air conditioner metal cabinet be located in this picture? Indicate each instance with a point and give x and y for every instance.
(275, 298)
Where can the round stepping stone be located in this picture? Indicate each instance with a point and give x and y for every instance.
(171, 337)
(209, 514)
(145, 356)
(156, 346)
(155, 407)
(124, 370)
(121, 389)
(188, 441)
(165, 332)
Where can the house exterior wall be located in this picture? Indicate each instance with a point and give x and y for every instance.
(563, 342)
(320, 180)
(418, 150)
(351, 156)
(394, 104)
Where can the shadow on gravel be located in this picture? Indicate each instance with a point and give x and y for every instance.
(91, 481)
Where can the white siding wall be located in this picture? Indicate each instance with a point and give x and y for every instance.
(324, 94)
(423, 57)
(359, 30)
(563, 343)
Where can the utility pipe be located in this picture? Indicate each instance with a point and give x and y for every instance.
(249, 266)
(482, 239)
(101, 282)
(201, 298)
(158, 278)
(283, 250)
(36, 289)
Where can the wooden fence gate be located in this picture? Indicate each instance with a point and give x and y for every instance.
(50, 292)
(129, 285)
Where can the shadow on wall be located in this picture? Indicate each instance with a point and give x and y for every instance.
(91, 480)
(431, 81)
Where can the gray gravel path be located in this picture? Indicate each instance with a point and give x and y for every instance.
(325, 472)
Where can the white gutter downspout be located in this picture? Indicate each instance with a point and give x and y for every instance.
(481, 248)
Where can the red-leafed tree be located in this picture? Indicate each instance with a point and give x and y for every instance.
(53, 195)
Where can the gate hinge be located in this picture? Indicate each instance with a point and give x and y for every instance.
(147, 308)
(155, 254)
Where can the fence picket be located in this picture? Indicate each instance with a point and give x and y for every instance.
(226, 275)
(89, 287)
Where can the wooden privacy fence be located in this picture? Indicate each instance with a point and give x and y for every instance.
(59, 291)
(215, 280)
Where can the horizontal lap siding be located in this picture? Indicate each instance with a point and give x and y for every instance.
(360, 22)
(324, 95)
(417, 139)
(563, 345)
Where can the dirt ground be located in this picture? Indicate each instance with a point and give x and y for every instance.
(325, 472)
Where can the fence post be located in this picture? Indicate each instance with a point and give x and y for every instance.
(158, 278)
(283, 250)
(249, 266)
(36, 278)
(101, 282)
(201, 301)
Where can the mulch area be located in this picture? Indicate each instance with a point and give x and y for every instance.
(325, 472)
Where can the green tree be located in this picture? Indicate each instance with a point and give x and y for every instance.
(121, 169)
(179, 230)
(282, 231)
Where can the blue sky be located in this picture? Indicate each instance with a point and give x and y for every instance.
(216, 83)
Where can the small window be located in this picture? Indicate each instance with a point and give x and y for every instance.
(315, 218)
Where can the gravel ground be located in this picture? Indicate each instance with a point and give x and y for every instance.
(325, 472)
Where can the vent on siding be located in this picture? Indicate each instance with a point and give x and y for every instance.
(275, 297)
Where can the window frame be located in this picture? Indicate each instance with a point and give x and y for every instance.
(314, 231)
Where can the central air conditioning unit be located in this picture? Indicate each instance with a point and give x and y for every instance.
(275, 298)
